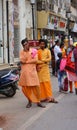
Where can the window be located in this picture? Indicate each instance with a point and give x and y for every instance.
(39, 5)
(43, 5)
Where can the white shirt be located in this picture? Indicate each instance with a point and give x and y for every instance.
(56, 51)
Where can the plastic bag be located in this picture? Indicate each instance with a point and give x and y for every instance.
(62, 64)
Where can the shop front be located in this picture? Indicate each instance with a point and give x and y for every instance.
(51, 27)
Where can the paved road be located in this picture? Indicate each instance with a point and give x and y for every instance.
(62, 116)
(15, 115)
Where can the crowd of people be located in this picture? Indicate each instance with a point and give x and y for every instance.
(67, 59)
(35, 73)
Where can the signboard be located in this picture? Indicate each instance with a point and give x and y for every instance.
(33, 43)
(53, 22)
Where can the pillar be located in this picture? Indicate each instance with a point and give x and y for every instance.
(11, 31)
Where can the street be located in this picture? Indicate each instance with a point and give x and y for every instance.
(15, 116)
(28, 30)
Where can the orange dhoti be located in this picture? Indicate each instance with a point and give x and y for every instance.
(32, 93)
(46, 90)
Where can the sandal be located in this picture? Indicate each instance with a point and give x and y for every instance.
(29, 105)
(52, 101)
(40, 105)
(44, 100)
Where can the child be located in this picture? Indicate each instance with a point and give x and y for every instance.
(60, 73)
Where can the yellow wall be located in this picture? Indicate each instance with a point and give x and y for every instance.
(42, 19)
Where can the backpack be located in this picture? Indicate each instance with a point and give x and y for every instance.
(62, 64)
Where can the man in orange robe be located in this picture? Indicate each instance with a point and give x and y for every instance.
(28, 77)
(44, 57)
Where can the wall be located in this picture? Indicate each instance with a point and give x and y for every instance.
(25, 17)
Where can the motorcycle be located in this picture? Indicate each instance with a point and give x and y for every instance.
(19, 67)
(8, 82)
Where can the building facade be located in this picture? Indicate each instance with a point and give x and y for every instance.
(73, 19)
(15, 24)
(16, 18)
(51, 17)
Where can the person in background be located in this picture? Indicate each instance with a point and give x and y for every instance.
(62, 38)
(69, 49)
(57, 49)
(63, 50)
(60, 73)
(52, 60)
(75, 58)
(44, 57)
(28, 78)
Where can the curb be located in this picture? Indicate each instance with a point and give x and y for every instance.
(5, 66)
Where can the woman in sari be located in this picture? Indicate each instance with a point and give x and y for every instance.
(44, 57)
(28, 78)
